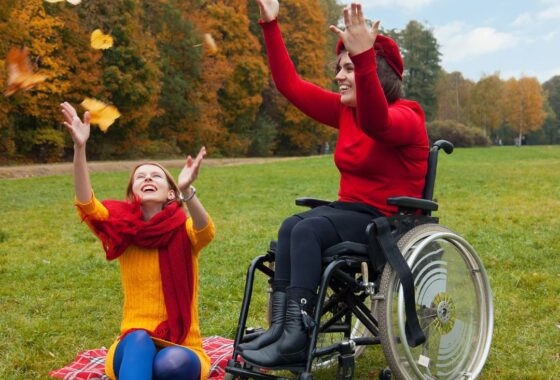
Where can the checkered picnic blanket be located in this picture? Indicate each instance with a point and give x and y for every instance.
(90, 364)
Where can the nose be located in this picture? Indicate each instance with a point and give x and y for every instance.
(339, 76)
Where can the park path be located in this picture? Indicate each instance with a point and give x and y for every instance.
(41, 170)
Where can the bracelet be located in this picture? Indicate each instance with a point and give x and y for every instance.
(182, 197)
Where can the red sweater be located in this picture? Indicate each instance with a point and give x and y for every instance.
(382, 149)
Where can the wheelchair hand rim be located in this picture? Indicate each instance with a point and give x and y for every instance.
(482, 287)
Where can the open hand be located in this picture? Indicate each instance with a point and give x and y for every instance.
(356, 36)
(78, 130)
(189, 173)
(269, 9)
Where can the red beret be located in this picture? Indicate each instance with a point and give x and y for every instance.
(385, 47)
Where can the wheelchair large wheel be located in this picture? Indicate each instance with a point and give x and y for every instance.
(453, 302)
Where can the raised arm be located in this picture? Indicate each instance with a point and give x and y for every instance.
(396, 125)
(188, 175)
(315, 102)
(80, 134)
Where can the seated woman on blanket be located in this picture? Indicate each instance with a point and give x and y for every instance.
(157, 247)
(381, 151)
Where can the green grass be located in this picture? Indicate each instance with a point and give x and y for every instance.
(59, 296)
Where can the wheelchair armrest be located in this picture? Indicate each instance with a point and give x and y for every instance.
(311, 202)
(409, 203)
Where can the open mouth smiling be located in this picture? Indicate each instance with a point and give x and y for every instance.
(148, 188)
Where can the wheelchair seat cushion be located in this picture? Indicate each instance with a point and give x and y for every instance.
(349, 219)
(347, 248)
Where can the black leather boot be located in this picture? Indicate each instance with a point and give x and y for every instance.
(290, 350)
(278, 315)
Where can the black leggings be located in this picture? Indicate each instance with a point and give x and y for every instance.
(298, 254)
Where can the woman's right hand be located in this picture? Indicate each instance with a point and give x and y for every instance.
(78, 130)
(269, 9)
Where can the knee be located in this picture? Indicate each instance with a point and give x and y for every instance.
(305, 229)
(176, 363)
(287, 226)
(138, 337)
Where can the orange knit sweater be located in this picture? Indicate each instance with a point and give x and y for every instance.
(144, 304)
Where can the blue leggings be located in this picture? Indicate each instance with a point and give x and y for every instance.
(136, 358)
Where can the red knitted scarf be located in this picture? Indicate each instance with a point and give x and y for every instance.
(166, 232)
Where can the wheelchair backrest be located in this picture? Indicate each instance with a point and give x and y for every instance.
(430, 181)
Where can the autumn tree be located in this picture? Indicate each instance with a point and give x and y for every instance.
(178, 43)
(453, 97)
(486, 109)
(240, 95)
(524, 105)
(34, 126)
(131, 75)
(304, 31)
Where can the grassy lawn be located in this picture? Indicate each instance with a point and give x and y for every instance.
(58, 295)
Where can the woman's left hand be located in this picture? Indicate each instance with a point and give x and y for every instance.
(190, 171)
(356, 36)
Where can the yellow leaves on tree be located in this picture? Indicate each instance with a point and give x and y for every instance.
(40, 32)
(486, 109)
(524, 104)
(453, 96)
(303, 28)
(240, 73)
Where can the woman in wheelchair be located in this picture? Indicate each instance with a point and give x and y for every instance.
(157, 247)
(382, 150)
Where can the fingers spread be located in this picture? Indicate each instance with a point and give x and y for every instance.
(346, 15)
(359, 13)
(335, 30)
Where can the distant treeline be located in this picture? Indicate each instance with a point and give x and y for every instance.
(175, 94)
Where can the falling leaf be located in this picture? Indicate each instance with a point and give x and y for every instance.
(73, 2)
(210, 44)
(20, 72)
(100, 113)
(100, 40)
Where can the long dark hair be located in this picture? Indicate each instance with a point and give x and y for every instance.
(390, 81)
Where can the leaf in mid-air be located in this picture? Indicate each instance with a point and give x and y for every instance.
(100, 40)
(20, 72)
(100, 113)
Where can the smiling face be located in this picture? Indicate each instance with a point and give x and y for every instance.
(151, 184)
(345, 80)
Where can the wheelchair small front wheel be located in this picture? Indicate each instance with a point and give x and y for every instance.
(453, 303)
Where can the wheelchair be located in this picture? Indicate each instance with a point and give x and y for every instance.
(363, 298)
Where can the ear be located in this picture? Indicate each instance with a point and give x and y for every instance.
(171, 195)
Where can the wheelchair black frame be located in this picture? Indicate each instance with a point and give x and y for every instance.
(412, 212)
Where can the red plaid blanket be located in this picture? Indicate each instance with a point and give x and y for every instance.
(90, 364)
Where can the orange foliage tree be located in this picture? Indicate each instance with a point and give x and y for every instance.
(239, 96)
(131, 76)
(486, 109)
(453, 96)
(524, 105)
(304, 28)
